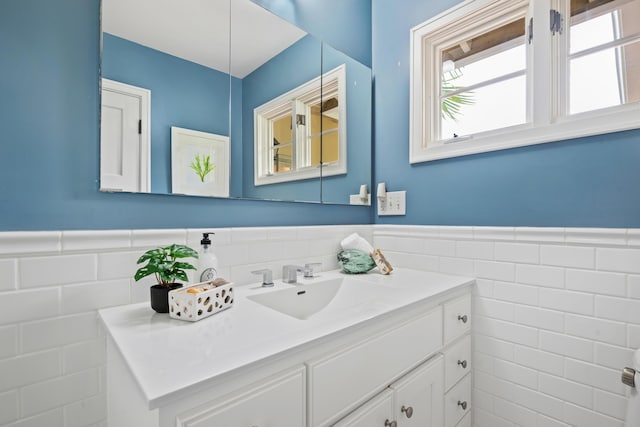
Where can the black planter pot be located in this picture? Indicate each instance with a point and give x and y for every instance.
(160, 296)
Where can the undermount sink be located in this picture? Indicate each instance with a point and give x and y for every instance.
(301, 301)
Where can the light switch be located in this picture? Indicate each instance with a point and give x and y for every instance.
(395, 203)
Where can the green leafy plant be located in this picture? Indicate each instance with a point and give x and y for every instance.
(165, 263)
(452, 105)
(202, 166)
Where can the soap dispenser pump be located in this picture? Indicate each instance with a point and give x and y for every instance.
(208, 262)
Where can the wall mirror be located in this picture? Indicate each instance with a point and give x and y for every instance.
(182, 83)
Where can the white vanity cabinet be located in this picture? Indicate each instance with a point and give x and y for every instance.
(457, 361)
(418, 396)
(457, 318)
(342, 380)
(415, 400)
(457, 402)
(375, 413)
(275, 402)
(406, 366)
(436, 393)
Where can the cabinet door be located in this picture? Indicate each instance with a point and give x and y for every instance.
(374, 413)
(457, 361)
(465, 422)
(275, 402)
(419, 396)
(340, 382)
(457, 317)
(457, 401)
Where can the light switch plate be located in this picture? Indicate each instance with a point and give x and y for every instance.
(394, 204)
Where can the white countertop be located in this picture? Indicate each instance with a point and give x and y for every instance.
(167, 356)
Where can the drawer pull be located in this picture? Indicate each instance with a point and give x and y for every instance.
(388, 423)
(462, 363)
(463, 404)
(463, 319)
(407, 411)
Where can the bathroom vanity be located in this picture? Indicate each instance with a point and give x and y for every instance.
(365, 350)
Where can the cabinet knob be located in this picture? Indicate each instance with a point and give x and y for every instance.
(463, 318)
(408, 411)
(463, 404)
(462, 363)
(388, 423)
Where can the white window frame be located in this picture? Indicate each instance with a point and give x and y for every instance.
(294, 101)
(547, 85)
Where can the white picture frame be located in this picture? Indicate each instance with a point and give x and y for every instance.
(186, 144)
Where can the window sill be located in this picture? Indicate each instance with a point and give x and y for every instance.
(591, 123)
(308, 173)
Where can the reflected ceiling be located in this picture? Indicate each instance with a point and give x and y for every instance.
(192, 29)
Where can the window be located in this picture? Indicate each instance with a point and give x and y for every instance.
(302, 133)
(488, 75)
(604, 54)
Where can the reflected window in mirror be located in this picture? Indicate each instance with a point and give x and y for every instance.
(282, 147)
(302, 131)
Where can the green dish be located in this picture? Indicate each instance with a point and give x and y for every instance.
(354, 261)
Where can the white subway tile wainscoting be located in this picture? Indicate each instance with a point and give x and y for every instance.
(556, 316)
(556, 312)
(52, 347)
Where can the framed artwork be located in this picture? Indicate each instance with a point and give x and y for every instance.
(199, 163)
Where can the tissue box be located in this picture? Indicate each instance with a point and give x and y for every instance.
(201, 300)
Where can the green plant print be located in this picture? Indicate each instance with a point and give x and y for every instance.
(202, 166)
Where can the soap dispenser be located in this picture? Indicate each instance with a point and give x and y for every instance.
(207, 261)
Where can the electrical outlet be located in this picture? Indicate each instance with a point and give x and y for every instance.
(354, 199)
(395, 203)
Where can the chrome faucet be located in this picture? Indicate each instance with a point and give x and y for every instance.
(309, 269)
(267, 280)
(290, 273)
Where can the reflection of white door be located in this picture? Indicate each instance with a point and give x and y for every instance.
(124, 138)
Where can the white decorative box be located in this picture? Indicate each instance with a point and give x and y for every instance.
(201, 300)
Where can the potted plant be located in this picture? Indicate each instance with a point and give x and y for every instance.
(168, 266)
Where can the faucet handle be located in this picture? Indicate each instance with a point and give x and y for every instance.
(309, 269)
(267, 277)
(290, 273)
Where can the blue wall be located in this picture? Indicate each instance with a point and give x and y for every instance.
(183, 94)
(589, 182)
(49, 161)
(49, 113)
(344, 24)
